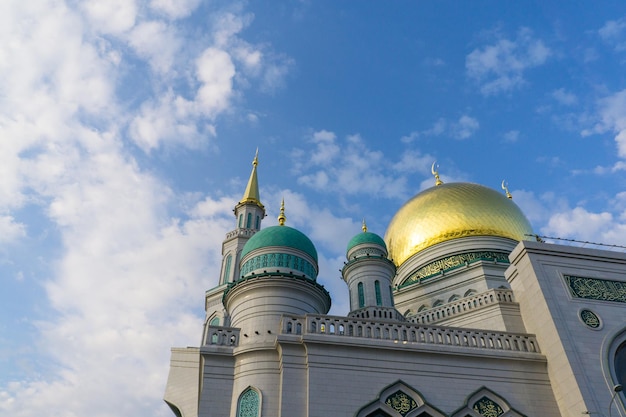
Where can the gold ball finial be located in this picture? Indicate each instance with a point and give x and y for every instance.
(281, 217)
(505, 187)
(364, 226)
(435, 170)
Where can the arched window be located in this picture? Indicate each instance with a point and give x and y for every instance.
(258, 223)
(215, 321)
(620, 364)
(379, 300)
(249, 221)
(240, 220)
(229, 260)
(249, 404)
(361, 295)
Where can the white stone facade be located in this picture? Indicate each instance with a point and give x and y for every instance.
(476, 326)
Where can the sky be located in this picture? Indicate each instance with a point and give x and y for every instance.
(128, 128)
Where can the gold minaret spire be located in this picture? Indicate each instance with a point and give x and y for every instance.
(364, 226)
(505, 187)
(281, 216)
(251, 195)
(435, 170)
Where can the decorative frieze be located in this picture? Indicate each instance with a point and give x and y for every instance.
(596, 289)
(443, 265)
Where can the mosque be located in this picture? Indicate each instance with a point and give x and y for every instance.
(460, 310)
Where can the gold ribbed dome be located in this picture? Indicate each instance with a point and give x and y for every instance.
(450, 211)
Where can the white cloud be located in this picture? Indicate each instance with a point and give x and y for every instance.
(157, 42)
(565, 98)
(215, 71)
(113, 16)
(465, 127)
(350, 167)
(612, 115)
(500, 67)
(175, 9)
(10, 230)
(129, 260)
(614, 32)
(581, 224)
(511, 136)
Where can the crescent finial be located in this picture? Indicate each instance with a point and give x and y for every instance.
(364, 226)
(505, 187)
(435, 170)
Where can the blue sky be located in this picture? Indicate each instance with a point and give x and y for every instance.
(128, 127)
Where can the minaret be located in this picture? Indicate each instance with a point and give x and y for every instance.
(248, 215)
(368, 273)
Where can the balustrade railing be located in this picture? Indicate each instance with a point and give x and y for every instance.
(406, 333)
(225, 336)
(456, 308)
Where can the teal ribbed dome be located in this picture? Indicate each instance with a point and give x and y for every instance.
(280, 236)
(366, 237)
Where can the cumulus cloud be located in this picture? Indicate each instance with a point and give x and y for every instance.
(349, 166)
(581, 224)
(175, 9)
(465, 127)
(564, 97)
(511, 136)
(612, 118)
(112, 17)
(157, 42)
(10, 230)
(462, 128)
(500, 67)
(130, 254)
(614, 33)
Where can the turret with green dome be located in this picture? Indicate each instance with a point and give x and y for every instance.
(368, 274)
(279, 249)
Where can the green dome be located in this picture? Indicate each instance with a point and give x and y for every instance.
(280, 236)
(366, 237)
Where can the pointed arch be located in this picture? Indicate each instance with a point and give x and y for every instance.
(614, 361)
(486, 403)
(249, 403)
(227, 264)
(399, 400)
(469, 292)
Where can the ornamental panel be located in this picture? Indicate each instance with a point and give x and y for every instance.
(596, 289)
(401, 402)
(487, 407)
(453, 262)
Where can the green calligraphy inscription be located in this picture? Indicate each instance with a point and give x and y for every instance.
(401, 402)
(596, 289)
(488, 408)
(453, 262)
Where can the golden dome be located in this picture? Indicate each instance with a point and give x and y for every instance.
(450, 211)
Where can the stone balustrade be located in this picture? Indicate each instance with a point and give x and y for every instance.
(406, 333)
(240, 232)
(224, 336)
(456, 308)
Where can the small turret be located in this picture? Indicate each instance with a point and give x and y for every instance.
(278, 277)
(369, 273)
(248, 213)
